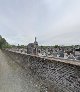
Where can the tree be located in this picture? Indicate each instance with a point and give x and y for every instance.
(3, 43)
(56, 46)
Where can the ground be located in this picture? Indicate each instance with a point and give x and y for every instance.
(13, 78)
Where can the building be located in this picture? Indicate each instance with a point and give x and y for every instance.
(32, 48)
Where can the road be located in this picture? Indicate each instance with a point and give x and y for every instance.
(13, 78)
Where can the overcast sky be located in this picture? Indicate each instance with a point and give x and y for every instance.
(51, 21)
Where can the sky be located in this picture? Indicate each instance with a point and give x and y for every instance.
(53, 22)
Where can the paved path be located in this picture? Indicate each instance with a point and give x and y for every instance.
(13, 78)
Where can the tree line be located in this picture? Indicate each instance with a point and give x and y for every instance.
(3, 43)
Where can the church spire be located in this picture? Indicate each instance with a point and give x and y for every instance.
(35, 39)
(35, 42)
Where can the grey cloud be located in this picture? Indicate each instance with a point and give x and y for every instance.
(52, 21)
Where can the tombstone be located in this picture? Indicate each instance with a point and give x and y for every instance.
(55, 54)
(65, 55)
(78, 58)
(61, 54)
(71, 56)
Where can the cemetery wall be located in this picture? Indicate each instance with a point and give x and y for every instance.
(57, 75)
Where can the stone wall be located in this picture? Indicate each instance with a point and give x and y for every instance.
(56, 75)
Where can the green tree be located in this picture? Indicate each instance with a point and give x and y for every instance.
(3, 43)
(56, 46)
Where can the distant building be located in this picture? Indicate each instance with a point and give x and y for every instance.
(32, 48)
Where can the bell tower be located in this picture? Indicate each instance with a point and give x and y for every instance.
(35, 39)
(35, 47)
